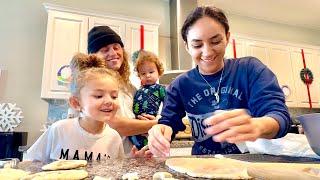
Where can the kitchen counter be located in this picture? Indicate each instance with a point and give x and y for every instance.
(181, 144)
(147, 167)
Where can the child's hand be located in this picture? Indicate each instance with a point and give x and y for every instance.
(144, 152)
(144, 116)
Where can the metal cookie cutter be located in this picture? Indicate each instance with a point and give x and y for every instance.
(9, 162)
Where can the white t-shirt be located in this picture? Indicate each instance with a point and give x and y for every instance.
(66, 139)
(125, 98)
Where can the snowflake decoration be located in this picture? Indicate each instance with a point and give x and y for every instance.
(10, 116)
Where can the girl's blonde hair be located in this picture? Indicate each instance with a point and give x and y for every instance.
(150, 57)
(87, 67)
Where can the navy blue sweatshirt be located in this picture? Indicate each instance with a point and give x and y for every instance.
(246, 84)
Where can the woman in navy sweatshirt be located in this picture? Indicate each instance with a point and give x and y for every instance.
(227, 101)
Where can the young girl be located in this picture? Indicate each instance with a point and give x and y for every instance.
(149, 97)
(94, 93)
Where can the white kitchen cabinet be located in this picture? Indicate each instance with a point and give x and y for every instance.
(67, 34)
(240, 47)
(133, 44)
(285, 61)
(312, 59)
(117, 25)
(281, 64)
(259, 50)
(150, 37)
(277, 58)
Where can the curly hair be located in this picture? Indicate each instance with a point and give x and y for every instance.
(124, 69)
(150, 57)
(204, 11)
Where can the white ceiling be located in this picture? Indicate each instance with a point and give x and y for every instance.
(301, 13)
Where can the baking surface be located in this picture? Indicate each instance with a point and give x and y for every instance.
(147, 167)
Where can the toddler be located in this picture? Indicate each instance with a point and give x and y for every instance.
(148, 98)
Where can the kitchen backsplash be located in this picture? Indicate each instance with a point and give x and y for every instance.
(58, 109)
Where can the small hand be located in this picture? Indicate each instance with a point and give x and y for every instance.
(233, 126)
(143, 152)
(159, 140)
(144, 116)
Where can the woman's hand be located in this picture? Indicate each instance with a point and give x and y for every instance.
(129, 127)
(159, 140)
(144, 116)
(234, 126)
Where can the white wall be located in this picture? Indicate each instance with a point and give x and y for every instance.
(22, 42)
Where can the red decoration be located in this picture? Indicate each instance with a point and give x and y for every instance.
(307, 78)
(141, 37)
(234, 48)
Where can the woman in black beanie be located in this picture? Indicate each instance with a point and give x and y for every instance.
(107, 43)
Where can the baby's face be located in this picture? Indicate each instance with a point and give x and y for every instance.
(148, 73)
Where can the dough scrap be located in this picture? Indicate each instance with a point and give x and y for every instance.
(58, 175)
(64, 164)
(130, 176)
(161, 176)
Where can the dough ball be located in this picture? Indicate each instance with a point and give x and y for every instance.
(161, 175)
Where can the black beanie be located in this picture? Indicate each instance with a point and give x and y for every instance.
(101, 36)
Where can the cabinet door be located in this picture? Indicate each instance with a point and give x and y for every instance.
(66, 35)
(116, 25)
(313, 63)
(259, 50)
(281, 64)
(240, 48)
(151, 42)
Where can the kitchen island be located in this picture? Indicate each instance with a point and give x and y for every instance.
(147, 167)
